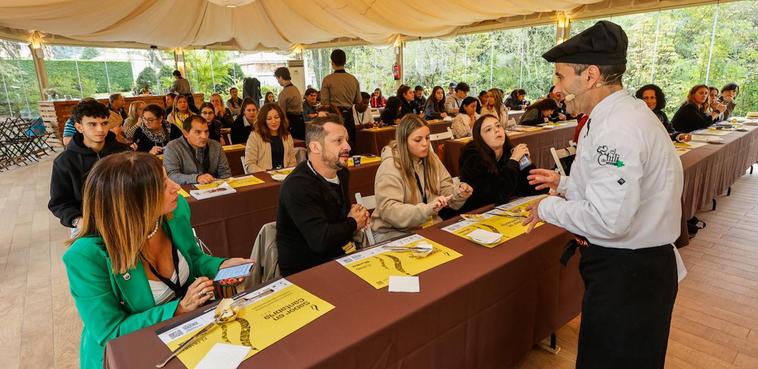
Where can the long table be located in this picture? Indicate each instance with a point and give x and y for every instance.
(485, 309)
(229, 224)
(539, 143)
(372, 140)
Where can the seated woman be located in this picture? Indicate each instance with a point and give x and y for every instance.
(270, 98)
(435, 104)
(270, 146)
(180, 112)
(244, 123)
(223, 114)
(154, 133)
(493, 105)
(693, 114)
(466, 117)
(491, 165)
(208, 112)
(539, 112)
(398, 106)
(377, 100)
(517, 100)
(411, 184)
(135, 261)
(654, 98)
(133, 118)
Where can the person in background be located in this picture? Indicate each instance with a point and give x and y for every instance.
(116, 104)
(482, 97)
(245, 122)
(270, 145)
(195, 158)
(467, 115)
(539, 112)
(269, 99)
(453, 102)
(342, 90)
(493, 105)
(326, 110)
(315, 221)
(290, 100)
(136, 261)
(222, 113)
(208, 113)
(493, 166)
(115, 125)
(713, 94)
(181, 85)
(133, 119)
(154, 133)
(435, 104)
(361, 116)
(398, 106)
(234, 104)
(728, 94)
(91, 142)
(654, 98)
(411, 184)
(517, 100)
(559, 114)
(309, 104)
(693, 114)
(180, 112)
(419, 100)
(377, 100)
(450, 90)
(168, 102)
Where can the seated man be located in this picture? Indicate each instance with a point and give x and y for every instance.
(91, 142)
(195, 158)
(361, 115)
(453, 102)
(315, 220)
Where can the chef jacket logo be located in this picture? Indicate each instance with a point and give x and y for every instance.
(608, 157)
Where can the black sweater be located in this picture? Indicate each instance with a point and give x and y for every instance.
(396, 108)
(688, 118)
(144, 144)
(312, 222)
(492, 188)
(70, 169)
(240, 132)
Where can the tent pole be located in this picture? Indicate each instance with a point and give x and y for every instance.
(39, 66)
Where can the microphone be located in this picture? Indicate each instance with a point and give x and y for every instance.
(568, 98)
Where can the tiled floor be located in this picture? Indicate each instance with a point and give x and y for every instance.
(715, 321)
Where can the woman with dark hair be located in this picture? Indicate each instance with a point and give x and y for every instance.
(693, 114)
(377, 100)
(493, 166)
(208, 112)
(245, 121)
(269, 98)
(309, 104)
(728, 93)
(539, 112)
(435, 104)
(155, 132)
(180, 112)
(398, 106)
(517, 100)
(654, 98)
(467, 115)
(270, 145)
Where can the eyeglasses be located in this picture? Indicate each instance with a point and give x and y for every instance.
(151, 120)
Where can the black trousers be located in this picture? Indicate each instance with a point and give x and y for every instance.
(626, 311)
(347, 119)
(297, 125)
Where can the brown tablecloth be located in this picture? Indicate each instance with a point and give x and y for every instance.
(539, 144)
(372, 140)
(235, 164)
(483, 310)
(710, 170)
(229, 224)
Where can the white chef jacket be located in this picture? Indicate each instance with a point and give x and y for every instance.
(625, 186)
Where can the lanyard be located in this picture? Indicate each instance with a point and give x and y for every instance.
(179, 290)
(421, 188)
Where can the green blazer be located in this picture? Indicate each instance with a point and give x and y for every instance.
(112, 305)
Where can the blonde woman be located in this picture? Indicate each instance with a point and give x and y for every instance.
(133, 118)
(493, 105)
(180, 112)
(270, 145)
(411, 184)
(135, 261)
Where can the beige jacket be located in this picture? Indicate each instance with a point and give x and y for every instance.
(258, 153)
(394, 213)
(462, 125)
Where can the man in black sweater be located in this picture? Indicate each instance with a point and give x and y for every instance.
(90, 143)
(315, 219)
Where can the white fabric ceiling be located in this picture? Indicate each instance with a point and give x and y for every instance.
(263, 24)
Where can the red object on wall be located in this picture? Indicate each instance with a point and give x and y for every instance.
(396, 71)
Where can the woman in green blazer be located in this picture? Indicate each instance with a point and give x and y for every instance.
(135, 235)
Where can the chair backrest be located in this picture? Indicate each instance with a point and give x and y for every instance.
(563, 159)
(266, 256)
(369, 202)
(301, 154)
(244, 167)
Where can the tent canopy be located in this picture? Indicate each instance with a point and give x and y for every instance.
(284, 24)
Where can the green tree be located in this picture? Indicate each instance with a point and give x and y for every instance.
(146, 78)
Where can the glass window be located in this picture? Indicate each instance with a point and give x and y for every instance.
(19, 92)
(212, 71)
(372, 65)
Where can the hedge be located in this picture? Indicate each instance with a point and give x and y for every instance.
(119, 73)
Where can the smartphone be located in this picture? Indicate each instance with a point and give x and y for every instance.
(237, 271)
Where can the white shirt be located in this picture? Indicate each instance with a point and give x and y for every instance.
(161, 292)
(625, 187)
(362, 118)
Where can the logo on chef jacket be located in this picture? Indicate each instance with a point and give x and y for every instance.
(608, 157)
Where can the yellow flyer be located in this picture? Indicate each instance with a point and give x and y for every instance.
(504, 220)
(234, 182)
(233, 147)
(183, 193)
(404, 257)
(365, 160)
(267, 315)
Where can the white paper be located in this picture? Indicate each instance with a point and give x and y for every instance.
(222, 189)
(404, 284)
(480, 235)
(223, 356)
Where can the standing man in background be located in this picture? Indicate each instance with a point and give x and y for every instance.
(291, 101)
(342, 90)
